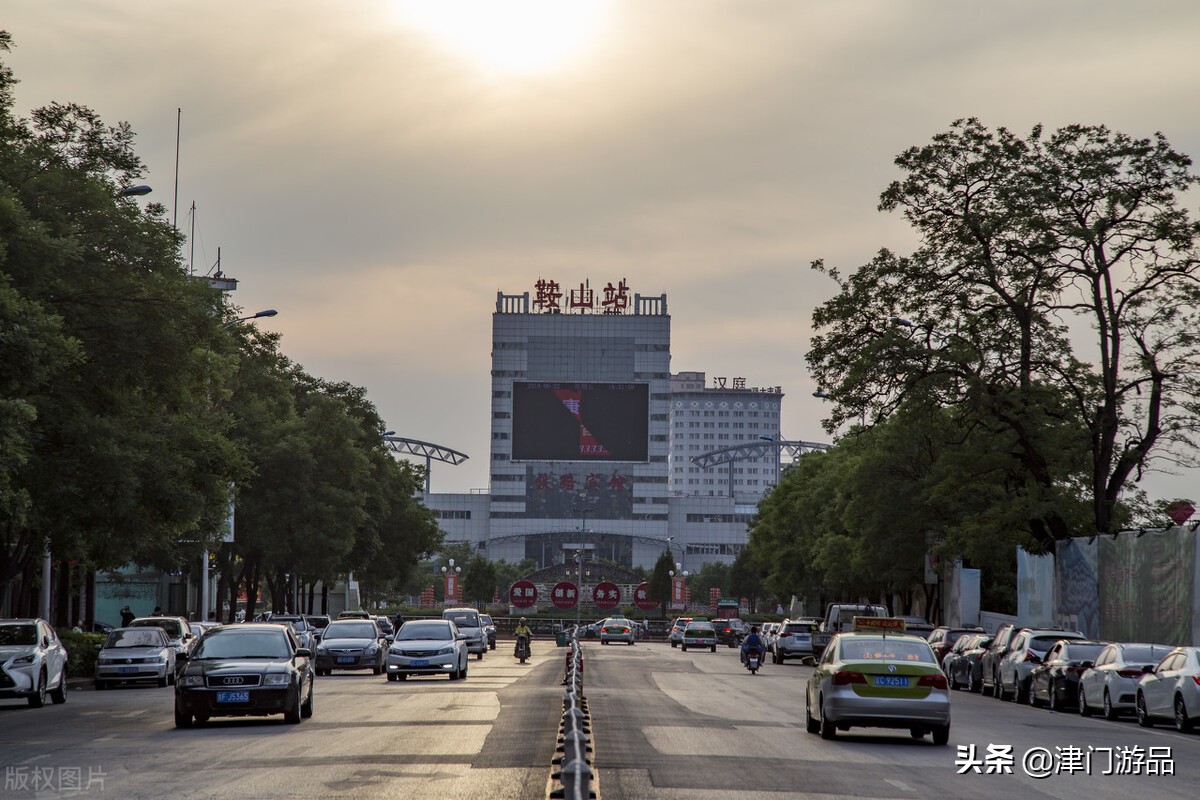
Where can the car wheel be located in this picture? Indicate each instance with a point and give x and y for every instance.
(972, 686)
(400, 676)
(1110, 713)
(1021, 689)
(462, 675)
(1084, 709)
(828, 728)
(810, 724)
(479, 656)
(162, 682)
(941, 734)
(182, 720)
(714, 648)
(99, 685)
(294, 714)
(306, 710)
(38, 698)
(917, 733)
(683, 647)
(1053, 701)
(391, 677)
(1183, 723)
(1000, 693)
(1031, 695)
(1143, 716)
(673, 644)
(59, 695)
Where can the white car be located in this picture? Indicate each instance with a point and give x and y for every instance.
(1111, 684)
(33, 662)
(1171, 691)
(428, 647)
(135, 654)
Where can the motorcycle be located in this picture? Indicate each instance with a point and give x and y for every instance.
(753, 660)
(522, 649)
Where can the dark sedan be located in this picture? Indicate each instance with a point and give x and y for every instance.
(1056, 680)
(352, 644)
(245, 670)
(965, 668)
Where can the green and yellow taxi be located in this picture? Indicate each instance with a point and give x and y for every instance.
(877, 676)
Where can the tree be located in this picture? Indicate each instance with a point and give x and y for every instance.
(480, 582)
(658, 587)
(1024, 243)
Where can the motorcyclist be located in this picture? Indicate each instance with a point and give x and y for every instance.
(753, 643)
(521, 628)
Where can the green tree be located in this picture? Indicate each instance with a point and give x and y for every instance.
(658, 587)
(480, 581)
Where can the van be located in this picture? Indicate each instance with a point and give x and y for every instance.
(468, 622)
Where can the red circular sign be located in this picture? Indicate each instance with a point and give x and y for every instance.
(523, 594)
(606, 594)
(564, 594)
(641, 597)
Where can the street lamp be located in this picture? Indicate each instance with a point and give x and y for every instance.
(822, 395)
(270, 312)
(450, 569)
(134, 191)
(682, 573)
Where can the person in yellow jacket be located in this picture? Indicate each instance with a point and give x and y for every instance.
(522, 628)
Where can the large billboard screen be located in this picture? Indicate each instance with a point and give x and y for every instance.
(580, 421)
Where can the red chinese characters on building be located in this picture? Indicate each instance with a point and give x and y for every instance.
(564, 594)
(523, 594)
(617, 482)
(566, 482)
(541, 481)
(547, 296)
(616, 298)
(582, 298)
(606, 594)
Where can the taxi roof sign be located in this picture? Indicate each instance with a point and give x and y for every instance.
(879, 625)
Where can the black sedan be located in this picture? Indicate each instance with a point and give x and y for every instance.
(352, 644)
(1056, 680)
(245, 670)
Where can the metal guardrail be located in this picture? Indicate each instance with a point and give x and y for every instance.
(572, 764)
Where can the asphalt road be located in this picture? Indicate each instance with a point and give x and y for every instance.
(666, 724)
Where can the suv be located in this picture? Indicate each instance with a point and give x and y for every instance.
(354, 615)
(299, 626)
(179, 632)
(730, 632)
(33, 662)
(469, 623)
(943, 638)
(1025, 652)
(793, 639)
(676, 635)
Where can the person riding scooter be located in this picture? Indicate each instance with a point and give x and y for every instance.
(522, 630)
(753, 643)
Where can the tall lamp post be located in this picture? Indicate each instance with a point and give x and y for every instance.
(683, 576)
(447, 571)
(583, 510)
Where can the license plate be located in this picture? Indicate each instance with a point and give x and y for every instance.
(346, 659)
(233, 697)
(126, 670)
(890, 680)
(420, 662)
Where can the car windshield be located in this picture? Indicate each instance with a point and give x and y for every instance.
(796, 627)
(350, 630)
(424, 630)
(486, 619)
(465, 620)
(18, 635)
(886, 650)
(1146, 654)
(130, 638)
(234, 643)
(173, 627)
(1083, 652)
(318, 622)
(1040, 644)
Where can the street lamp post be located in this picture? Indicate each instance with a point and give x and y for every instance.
(270, 312)
(683, 575)
(450, 569)
(582, 510)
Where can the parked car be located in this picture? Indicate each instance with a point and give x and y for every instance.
(179, 632)
(351, 643)
(245, 670)
(954, 654)
(1111, 684)
(989, 663)
(878, 680)
(317, 622)
(427, 647)
(385, 625)
(967, 669)
(135, 655)
(489, 630)
(1170, 690)
(1056, 679)
(468, 622)
(616, 630)
(676, 634)
(33, 662)
(944, 638)
(918, 626)
(792, 640)
(699, 634)
(1026, 651)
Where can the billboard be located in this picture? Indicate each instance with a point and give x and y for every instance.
(580, 421)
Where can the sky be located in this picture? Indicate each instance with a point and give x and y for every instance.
(377, 170)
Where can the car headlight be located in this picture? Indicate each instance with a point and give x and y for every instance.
(276, 679)
(191, 680)
(371, 649)
(321, 649)
(445, 651)
(27, 659)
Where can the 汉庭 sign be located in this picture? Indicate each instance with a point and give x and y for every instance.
(606, 594)
(564, 594)
(523, 594)
(641, 597)
(549, 298)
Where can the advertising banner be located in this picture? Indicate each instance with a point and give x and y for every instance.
(1035, 589)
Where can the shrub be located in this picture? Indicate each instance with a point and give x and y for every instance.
(81, 652)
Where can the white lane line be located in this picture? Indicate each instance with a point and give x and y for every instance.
(904, 787)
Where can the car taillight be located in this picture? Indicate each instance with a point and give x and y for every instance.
(937, 681)
(1196, 678)
(845, 677)
(1129, 673)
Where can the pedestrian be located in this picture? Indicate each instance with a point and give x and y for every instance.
(157, 611)
(398, 621)
(127, 617)
(78, 627)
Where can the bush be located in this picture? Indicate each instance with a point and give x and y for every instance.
(81, 652)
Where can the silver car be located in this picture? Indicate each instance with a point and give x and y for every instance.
(33, 662)
(1171, 690)
(1025, 652)
(467, 621)
(134, 655)
(428, 647)
(1111, 684)
(178, 630)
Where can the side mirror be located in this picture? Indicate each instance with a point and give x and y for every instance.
(1088, 664)
(390, 638)
(181, 656)
(1148, 669)
(303, 652)
(462, 637)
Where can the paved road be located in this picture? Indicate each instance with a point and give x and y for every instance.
(666, 724)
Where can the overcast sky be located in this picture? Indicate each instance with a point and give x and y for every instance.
(377, 170)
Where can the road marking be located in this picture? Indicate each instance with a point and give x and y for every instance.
(904, 787)
(35, 758)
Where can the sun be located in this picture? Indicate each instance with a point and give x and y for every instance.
(509, 36)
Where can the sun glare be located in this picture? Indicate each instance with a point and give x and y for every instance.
(510, 36)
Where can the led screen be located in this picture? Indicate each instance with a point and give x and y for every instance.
(580, 421)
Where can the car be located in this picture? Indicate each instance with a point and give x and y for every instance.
(489, 630)
(616, 629)
(33, 662)
(730, 632)
(944, 638)
(677, 627)
(317, 622)
(467, 620)
(1170, 690)
(767, 631)
(427, 647)
(989, 662)
(1111, 684)
(953, 655)
(354, 615)
(792, 640)
(178, 629)
(966, 670)
(199, 628)
(1056, 679)
(299, 626)
(134, 655)
(1025, 652)
(245, 670)
(918, 626)
(351, 643)
(878, 680)
(699, 634)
